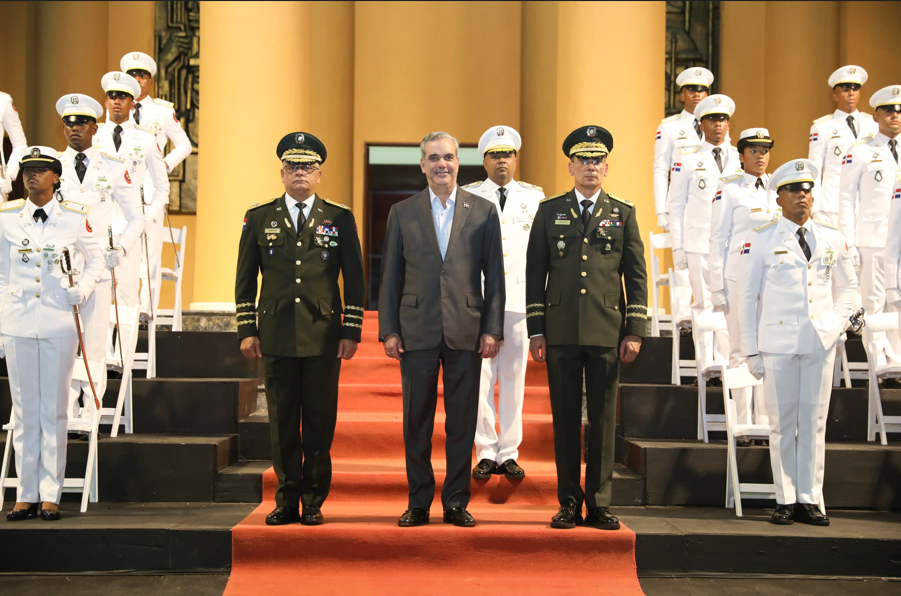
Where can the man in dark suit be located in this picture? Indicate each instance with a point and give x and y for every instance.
(584, 247)
(300, 242)
(432, 312)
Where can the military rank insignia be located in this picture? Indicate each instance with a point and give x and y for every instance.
(327, 231)
(701, 184)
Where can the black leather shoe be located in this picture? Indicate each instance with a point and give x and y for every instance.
(413, 517)
(22, 514)
(311, 516)
(511, 470)
(742, 442)
(602, 519)
(484, 470)
(714, 382)
(807, 513)
(459, 517)
(567, 516)
(50, 514)
(783, 515)
(283, 515)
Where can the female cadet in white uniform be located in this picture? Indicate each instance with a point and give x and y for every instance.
(741, 204)
(39, 337)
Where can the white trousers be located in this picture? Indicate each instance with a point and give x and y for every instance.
(797, 389)
(748, 412)
(39, 374)
(684, 303)
(872, 298)
(711, 347)
(95, 318)
(156, 214)
(509, 368)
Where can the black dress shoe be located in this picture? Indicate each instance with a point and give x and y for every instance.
(413, 517)
(742, 442)
(283, 515)
(459, 517)
(311, 516)
(567, 516)
(21, 514)
(511, 470)
(50, 514)
(783, 515)
(714, 382)
(484, 470)
(808, 513)
(602, 519)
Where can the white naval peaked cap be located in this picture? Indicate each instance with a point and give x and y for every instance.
(848, 74)
(695, 75)
(119, 81)
(887, 96)
(77, 104)
(755, 135)
(499, 138)
(138, 61)
(715, 104)
(797, 170)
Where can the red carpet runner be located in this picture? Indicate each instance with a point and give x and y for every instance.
(361, 551)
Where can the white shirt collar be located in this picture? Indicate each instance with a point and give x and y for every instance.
(48, 208)
(752, 180)
(593, 198)
(70, 154)
(451, 200)
(842, 115)
(291, 201)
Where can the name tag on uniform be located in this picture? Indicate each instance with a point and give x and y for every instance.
(561, 222)
(273, 231)
(780, 252)
(756, 209)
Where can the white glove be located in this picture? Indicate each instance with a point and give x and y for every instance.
(6, 185)
(2, 349)
(755, 366)
(719, 300)
(893, 296)
(112, 257)
(680, 258)
(75, 295)
(855, 256)
(663, 221)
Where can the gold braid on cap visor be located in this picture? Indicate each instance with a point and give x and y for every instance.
(301, 155)
(500, 149)
(588, 149)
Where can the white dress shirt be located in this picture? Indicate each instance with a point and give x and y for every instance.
(444, 218)
(48, 209)
(808, 235)
(294, 207)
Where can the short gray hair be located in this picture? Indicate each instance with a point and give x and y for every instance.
(436, 136)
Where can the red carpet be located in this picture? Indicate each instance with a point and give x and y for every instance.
(361, 551)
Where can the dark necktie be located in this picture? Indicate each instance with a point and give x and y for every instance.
(759, 183)
(40, 214)
(503, 192)
(853, 128)
(805, 248)
(893, 147)
(80, 168)
(586, 213)
(301, 218)
(117, 137)
(697, 128)
(137, 113)
(718, 158)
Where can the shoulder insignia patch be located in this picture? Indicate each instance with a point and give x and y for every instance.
(263, 204)
(337, 204)
(766, 226)
(689, 149)
(531, 186)
(552, 198)
(732, 178)
(12, 205)
(623, 201)
(472, 184)
(671, 118)
(826, 224)
(823, 119)
(76, 207)
(112, 157)
(163, 102)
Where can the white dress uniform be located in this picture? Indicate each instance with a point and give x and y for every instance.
(692, 189)
(10, 123)
(39, 334)
(893, 248)
(792, 312)
(830, 139)
(741, 204)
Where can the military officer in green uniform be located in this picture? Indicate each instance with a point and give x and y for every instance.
(584, 248)
(300, 243)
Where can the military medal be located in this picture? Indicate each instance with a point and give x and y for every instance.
(525, 227)
(560, 246)
(702, 185)
(838, 150)
(607, 247)
(324, 255)
(878, 176)
(273, 223)
(25, 242)
(829, 261)
(333, 243)
(25, 258)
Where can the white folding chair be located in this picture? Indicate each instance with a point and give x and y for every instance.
(147, 360)
(122, 414)
(700, 325)
(680, 293)
(88, 421)
(876, 421)
(178, 239)
(845, 370)
(658, 315)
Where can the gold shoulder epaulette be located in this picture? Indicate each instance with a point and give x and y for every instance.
(472, 184)
(863, 140)
(689, 149)
(112, 157)
(255, 205)
(10, 205)
(552, 198)
(731, 178)
(826, 224)
(76, 207)
(163, 102)
(766, 226)
(670, 118)
(623, 201)
(531, 186)
(823, 119)
(337, 204)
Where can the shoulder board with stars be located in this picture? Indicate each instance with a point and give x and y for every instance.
(823, 119)
(731, 178)
(689, 149)
(472, 184)
(670, 119)
(337, 204)
(163, 102)
(263, 204)
(552, 198)
(623, 201)
(766, 226)
(826, 224)
(531, 186)
(12, 205)
(75, 207)
(112, 157)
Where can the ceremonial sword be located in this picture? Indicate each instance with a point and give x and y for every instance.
(2, 160)
(66, 265)
(116, 300)
(147, 255)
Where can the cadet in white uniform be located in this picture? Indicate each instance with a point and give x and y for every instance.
(677, 132)
(832, 135)
(742, 203)
(120, 136)
(892, 115)
(159, 117)
(39, 335)
(796, 289)
(99, 181)
(869, 179)
(516, 204)
(693, 184)
(9, 122)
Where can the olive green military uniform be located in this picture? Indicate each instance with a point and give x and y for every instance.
(574, 297)
(299, 328)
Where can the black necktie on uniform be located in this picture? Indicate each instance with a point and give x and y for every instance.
(503, 192)
(805, 248)
(80, 168)
(117, 137)
(759, 183)
(586, 214)
(40, 214)
(853, 128)
(301, 218)
(893, 147)
(697, 128)
(718, 158)
(137, 113)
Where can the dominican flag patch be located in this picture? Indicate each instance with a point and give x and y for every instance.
(815, 137)
(719, 195)
(847, 159)
(677, 167)
(244, 227)
(746, 249)
(897, 194)
(659, 135)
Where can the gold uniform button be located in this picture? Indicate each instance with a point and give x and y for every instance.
(811, 317)
(781, 262)
(810, 266)
(299, 243)
(297, 262)
(38, 264)
(584, 257)
(297, 300)
(780, 322)
(37, 279)
(505, 238)
(297, 281)
(503, 221)
(811, 301)
(505, 255)
(585, 240)
(38, 295)
(505, 273)
(584, 290)
(810, 283)
(584, 274)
